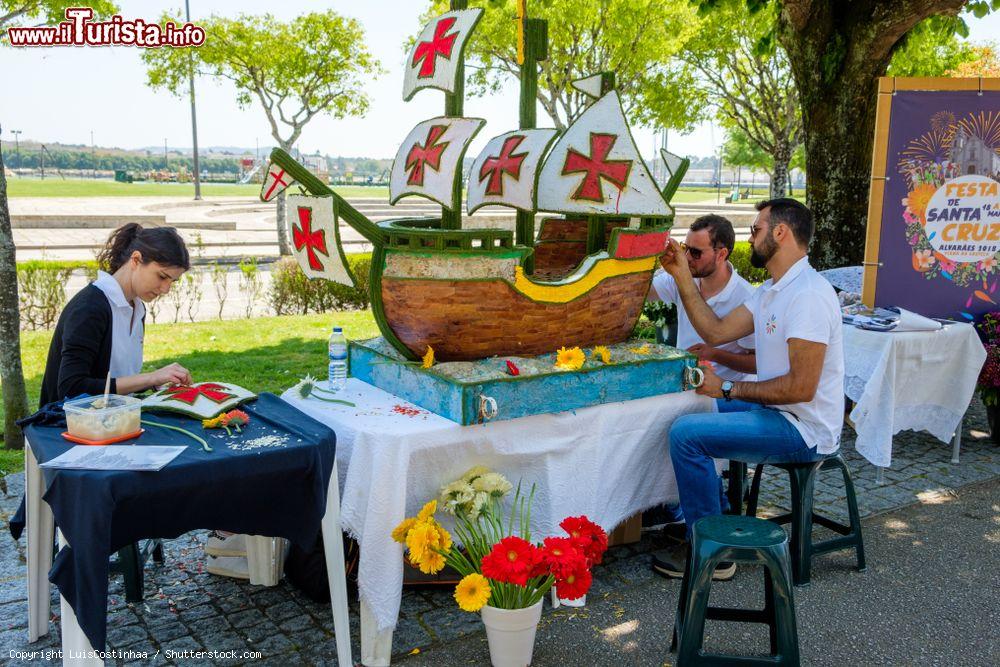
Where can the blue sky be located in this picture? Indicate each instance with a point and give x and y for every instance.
(64, 94)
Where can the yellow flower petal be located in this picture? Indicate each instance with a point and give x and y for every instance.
(427, 511)
(570, 359)
(429, 357)
(602, 353)
(399, 533)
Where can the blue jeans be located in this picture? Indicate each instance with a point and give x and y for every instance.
(741, 431)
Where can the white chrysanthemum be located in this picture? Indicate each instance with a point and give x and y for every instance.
(455, 495)
(476, 506)
(493, 483)
(474, 472)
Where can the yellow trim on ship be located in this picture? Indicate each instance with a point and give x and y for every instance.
(601, 270)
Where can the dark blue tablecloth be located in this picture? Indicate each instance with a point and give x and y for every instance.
(275, 491)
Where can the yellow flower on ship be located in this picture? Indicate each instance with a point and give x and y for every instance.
(602, 353)
(472, 592)
(428, 358)
(212, 423)
(399, 533)
(570, 359)
(640, 350)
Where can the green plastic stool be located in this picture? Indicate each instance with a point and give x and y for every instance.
(802, 517)
(739, 539)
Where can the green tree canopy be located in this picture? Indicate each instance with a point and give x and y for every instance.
(317, 63)
(635, 39)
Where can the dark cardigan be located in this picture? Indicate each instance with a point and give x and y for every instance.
(80, 353)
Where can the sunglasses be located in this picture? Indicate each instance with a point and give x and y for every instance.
(754, 229)
(695, 253)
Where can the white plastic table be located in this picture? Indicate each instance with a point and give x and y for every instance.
(608, 462)
(918, 380)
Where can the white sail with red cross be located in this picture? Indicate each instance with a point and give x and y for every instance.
(427, 160)
(595, 168)
(433, 61)
(315, 238)
(506, 171)
(275, 182)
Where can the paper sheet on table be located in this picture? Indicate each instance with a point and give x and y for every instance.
(909, 321)
(115, 457)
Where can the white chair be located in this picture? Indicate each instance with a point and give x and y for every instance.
(265, 558)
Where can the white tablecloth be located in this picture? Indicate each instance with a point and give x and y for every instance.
(607, 462)
(920, 380)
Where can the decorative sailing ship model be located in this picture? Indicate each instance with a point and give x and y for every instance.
(476, 293)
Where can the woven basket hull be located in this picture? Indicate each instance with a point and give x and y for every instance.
(464, 320)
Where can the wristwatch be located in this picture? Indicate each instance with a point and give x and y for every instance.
(727, 388)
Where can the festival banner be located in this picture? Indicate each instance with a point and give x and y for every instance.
(933, 242)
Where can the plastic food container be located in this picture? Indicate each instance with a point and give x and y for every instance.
(90, 419)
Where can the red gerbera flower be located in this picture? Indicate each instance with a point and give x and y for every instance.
(562, 556)
(587, 536)
(512, 560)
(574, 585)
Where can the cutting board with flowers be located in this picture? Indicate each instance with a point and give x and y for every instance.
(474, 392)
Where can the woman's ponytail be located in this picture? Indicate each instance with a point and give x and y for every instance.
(162, 245)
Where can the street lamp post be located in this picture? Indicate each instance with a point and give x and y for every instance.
(17, 146)
(194, 116)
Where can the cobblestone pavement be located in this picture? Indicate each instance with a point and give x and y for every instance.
(188, 609)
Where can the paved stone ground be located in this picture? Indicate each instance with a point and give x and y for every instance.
(188, 609)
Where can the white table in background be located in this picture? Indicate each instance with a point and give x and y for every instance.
(918, 380)
(608, 462)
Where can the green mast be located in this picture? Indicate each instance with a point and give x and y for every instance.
(454, 106)
(532, 47)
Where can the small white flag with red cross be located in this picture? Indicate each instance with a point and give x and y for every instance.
(434, 58)
(276, 182)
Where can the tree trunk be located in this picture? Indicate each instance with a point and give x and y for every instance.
(15, 400)
(837, 51)
(780, 178)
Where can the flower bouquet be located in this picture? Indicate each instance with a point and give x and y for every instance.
(504, 574)
(988, 384)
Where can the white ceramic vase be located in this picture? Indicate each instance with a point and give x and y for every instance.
(511, 634)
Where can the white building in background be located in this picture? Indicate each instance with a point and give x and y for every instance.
(971, 155)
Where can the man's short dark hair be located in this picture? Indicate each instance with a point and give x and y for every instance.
(720, 231)
(793, 213)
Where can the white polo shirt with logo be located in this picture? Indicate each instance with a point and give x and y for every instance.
(802, 304)
(733, 295)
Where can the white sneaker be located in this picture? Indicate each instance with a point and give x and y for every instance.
(226, 545)
(228, 566)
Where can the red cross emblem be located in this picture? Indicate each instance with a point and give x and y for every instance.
(597, 167)
(303, 236)
(189, 394)
(279, 177)
(440, 45)
(429, 154)
(496, 166)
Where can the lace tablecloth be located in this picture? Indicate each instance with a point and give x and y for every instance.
(608, 462)
(919, 380)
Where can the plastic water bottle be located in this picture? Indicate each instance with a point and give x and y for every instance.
(337, 374)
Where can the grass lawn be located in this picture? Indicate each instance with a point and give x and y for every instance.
(262, 354)
(82, 187)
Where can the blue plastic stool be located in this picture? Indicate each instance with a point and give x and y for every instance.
(739, 539)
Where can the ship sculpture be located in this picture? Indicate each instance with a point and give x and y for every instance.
(476, 293)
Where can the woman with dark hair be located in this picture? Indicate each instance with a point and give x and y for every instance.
(101, 329)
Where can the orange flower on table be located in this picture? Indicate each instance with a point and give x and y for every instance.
(918, 198)
(570, 359)
(923, 260)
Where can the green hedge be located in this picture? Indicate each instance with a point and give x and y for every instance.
(741, 262)
(291, 293)
(41, 289)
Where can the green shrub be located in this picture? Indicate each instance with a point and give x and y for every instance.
(41, 289)
(291, 293)
(741, 262)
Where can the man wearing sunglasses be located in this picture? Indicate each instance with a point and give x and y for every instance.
(793, 412)
(707, 248)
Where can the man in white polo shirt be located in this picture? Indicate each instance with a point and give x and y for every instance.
(794, 410)
(708, 245)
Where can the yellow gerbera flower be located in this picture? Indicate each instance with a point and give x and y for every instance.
(419, 541)
(428, 358)
(472, 592)
(399, 533)
(918, 199)
(571, 359)
(640, 350)
(602, 353)
(427, 512)
(432, 563)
